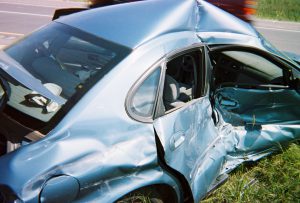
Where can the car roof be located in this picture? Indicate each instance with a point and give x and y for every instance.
(132, 24)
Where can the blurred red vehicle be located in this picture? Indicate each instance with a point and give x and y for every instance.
(243, 9)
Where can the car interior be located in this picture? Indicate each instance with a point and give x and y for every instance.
(180, 80)
(61, 62)
(240, 68)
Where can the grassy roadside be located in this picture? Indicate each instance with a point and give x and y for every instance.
(274, 179)
(279, 9)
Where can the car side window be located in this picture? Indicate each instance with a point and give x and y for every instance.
(183, 79)
(242, 67)
(143, 99)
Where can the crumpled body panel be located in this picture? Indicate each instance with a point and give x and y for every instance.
(97, 162)
(99, 148)
(236, 145)
(244, 141)
(184, 136)
(235, 139)
(269, 106)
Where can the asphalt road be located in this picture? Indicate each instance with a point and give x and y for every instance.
(284, 35)
(20, 17)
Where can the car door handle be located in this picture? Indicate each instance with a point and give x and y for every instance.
(176, 140)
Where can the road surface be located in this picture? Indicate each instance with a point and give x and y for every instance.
(284, 35)
(19, 17)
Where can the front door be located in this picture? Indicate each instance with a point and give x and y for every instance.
(253, 87)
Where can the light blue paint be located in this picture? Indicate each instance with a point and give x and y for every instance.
(110, 154)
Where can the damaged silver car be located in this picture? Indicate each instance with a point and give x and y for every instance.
(159, 99)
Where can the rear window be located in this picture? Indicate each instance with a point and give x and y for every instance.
(66, 60)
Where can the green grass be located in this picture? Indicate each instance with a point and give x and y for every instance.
(273, 9)
(274, 179)
(279, 9)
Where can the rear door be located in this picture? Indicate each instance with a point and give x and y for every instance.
(184, 123)
(254, 87)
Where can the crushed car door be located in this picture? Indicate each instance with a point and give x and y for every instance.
(254, 87)
(184, 123)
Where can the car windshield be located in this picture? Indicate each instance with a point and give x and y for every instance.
(65, 60)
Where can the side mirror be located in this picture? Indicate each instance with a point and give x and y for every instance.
(297, 85)
(4, 93)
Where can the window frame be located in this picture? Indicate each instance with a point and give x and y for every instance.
(159, 109)
(201, 76)
(136, 86)
(287, 68)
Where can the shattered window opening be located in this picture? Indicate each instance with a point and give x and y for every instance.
(241, 67)
(183, 80)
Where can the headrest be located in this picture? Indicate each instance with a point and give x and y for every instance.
(171, 89)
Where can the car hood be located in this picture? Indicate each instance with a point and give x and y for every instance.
(16, 71)
(293, 56)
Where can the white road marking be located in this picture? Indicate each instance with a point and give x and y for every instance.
(11, 33)
(23, 4)
(278, 29)
(30, 14)
(75, 4)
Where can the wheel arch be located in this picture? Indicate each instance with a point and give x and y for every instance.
(165, 191)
